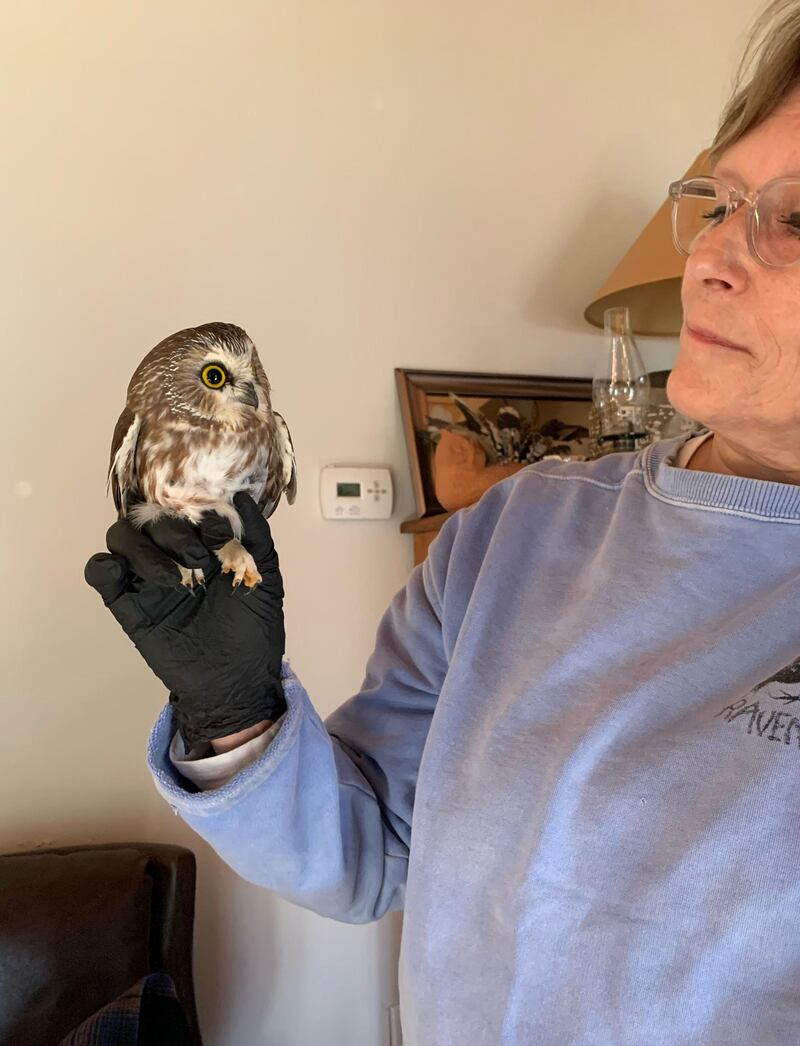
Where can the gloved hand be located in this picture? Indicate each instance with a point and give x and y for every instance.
(217, 649)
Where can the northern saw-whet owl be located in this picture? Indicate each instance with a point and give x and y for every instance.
(198, 427)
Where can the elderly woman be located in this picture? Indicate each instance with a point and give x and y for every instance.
(574, 756)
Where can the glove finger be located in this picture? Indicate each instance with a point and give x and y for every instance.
(143, 556)
(107, 574)
(128, 611)
(180, 539)
(257, 536)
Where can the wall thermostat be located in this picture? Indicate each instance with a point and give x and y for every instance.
(355, 492)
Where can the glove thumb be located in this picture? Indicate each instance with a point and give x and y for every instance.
(257, 537)
(216, 530)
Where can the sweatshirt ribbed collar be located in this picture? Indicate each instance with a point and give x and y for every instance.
(756, 498)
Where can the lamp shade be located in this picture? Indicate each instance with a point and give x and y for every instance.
(648, 278)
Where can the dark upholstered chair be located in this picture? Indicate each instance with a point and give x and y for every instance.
(79, 925)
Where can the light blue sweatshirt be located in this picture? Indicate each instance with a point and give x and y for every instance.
(574, 761)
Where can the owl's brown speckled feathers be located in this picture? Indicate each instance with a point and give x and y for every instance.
(198, 427)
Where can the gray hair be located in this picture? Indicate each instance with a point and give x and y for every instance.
(768, 70)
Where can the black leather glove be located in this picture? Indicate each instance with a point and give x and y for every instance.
(217, 649)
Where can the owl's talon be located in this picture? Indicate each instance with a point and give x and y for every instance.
(187, 577)
(191, 578)
(235, 559)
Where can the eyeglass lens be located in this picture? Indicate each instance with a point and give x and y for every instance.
(701, 206)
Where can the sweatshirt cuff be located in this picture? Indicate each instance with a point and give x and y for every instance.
(206, 770)
(185, 796)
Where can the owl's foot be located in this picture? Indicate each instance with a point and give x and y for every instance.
(191, 577)
(236, 560)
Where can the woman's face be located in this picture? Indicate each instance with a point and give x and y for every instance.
(749, 398)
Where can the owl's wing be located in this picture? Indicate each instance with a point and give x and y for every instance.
(282, 476)
(287, 456)
(122, 467)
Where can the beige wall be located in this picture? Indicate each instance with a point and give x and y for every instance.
(362, 185)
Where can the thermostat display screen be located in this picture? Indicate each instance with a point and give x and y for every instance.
(348, 490)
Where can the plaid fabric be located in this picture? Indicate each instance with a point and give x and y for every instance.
(148, 1012)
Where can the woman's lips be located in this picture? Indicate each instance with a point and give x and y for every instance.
(709, 338)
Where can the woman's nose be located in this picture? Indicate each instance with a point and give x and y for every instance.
(722, 252)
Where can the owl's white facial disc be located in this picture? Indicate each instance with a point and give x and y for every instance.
(218, 385)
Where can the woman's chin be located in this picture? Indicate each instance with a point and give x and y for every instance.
(692, 396)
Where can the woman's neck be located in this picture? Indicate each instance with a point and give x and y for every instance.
(716, 455)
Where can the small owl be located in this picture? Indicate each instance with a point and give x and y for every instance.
(198, 427)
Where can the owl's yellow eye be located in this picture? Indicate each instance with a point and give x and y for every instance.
(213, 375)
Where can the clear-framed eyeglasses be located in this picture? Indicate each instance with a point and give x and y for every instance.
(773, 216)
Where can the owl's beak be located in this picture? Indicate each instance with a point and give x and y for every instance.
(246, 393)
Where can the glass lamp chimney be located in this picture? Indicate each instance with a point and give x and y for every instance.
(620, 386)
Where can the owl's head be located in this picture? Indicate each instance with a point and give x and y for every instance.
(211, 373)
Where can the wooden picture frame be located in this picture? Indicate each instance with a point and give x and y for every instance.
(419, 391)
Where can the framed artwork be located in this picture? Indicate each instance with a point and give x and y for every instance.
(513, 418)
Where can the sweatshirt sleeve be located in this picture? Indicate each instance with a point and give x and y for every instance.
(323, 815)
